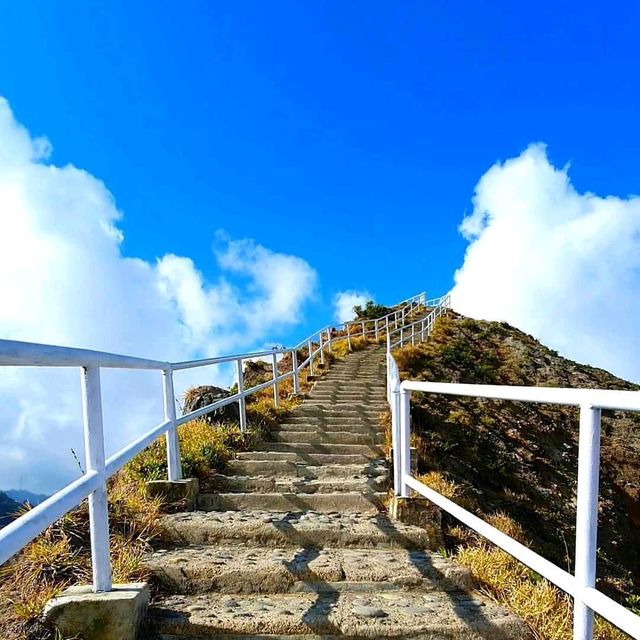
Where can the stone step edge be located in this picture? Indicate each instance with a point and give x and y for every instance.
(435, 615)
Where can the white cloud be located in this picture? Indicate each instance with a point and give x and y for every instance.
(64, 280)
(559, 264)
(344, 301)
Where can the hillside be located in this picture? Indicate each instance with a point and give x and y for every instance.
(22, 496)
(522, 458)
(7, 508)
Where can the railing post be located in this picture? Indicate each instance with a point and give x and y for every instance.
(377, 332)
(387, 324)
(586, 516)
(395, 439)
(174, 466)
(422, 336)
(296, 376)
(401, 336)
(413, 334)
(274, 367)
(363, 331)
(404, 402)
(349, 335)
(242, 405)
(310, 347)
(94, 455)
(321, 348)
(329, 339)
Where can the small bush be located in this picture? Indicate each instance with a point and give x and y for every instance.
(204, 449)
(371, 311)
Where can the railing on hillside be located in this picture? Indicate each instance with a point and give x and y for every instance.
(421, 328)
(92, 483)
(581, 586)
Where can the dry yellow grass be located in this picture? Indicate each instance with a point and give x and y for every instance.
(61, 556)
(547, 611)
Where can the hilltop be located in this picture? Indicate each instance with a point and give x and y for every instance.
(521, 459)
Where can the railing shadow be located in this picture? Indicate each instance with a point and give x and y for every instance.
(317, 616)
(468, 611)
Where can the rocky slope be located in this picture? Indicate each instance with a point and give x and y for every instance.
(522, 458)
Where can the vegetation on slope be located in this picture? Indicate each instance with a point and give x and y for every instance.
(371, 310)
(517, 462)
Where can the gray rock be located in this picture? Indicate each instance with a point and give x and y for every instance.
(199, 397)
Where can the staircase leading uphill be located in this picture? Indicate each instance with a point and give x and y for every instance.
(296, 541)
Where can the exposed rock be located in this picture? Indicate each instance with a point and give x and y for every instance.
(256, 372)
(198, 397)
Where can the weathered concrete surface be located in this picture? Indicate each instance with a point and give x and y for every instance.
(441, 615)
(266, 529)
(360, 502)
(303, 484)
(177, 495)
(116, 615)
(236, 569)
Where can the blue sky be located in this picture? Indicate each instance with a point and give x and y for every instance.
(340, 132)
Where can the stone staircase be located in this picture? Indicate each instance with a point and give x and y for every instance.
(295, 541)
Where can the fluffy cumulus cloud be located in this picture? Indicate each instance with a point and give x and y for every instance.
(345, 301)
(559, 264)
(65, 281)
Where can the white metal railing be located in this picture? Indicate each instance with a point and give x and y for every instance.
(582, 585)
(421, 328)
(92, 483)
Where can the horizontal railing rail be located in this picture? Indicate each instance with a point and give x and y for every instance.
(93, 483)
(419, 330)
(581, 586)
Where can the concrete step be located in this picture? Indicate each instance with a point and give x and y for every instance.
(284, 468)
(331, 419)
(330, 380)
(352, 380)
(238, 569)
(348, 391)
(346, 502)
(333, 400)
(339, 396)
(343, 391)
(437, 615)
(306, 458)
(316, 426)
(264, 484)
(327, 437)
(342, 407)
(266, 530)
(369, 451)
(355, 375)
(336, 413)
